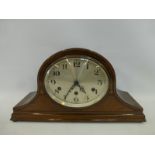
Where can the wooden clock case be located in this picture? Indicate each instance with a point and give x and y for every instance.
(116, 106)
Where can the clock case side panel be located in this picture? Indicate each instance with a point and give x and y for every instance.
(116, 106)
(31, 109)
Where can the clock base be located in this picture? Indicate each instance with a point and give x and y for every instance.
(42, 117)
(28, 110)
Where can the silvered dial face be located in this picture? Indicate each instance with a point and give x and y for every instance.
(76, 81)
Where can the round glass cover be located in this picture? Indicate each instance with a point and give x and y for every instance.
(76, 81)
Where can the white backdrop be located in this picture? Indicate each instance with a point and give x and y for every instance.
(128, 44)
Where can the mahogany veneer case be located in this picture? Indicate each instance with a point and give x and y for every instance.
(115, 106)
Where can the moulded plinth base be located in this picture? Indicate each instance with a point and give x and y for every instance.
(111, 116)
(77, 118)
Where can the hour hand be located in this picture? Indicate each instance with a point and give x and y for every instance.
(81, 88)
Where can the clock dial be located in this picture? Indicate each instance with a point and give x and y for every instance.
(76, 81)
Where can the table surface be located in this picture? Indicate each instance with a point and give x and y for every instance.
(7, 127)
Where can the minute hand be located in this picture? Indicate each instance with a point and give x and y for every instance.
(82, 69)
(71, 88)
(73, 73)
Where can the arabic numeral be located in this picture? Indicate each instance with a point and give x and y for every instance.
(58, 90)
(87, 66)
(53, 82)
(87, 98)
(76, 99)
(97, 71)
(64, 66)
(56, 73)
(76, 63)
(99, 82)
(94, 90)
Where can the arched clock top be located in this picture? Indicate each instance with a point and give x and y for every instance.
(76, 52)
